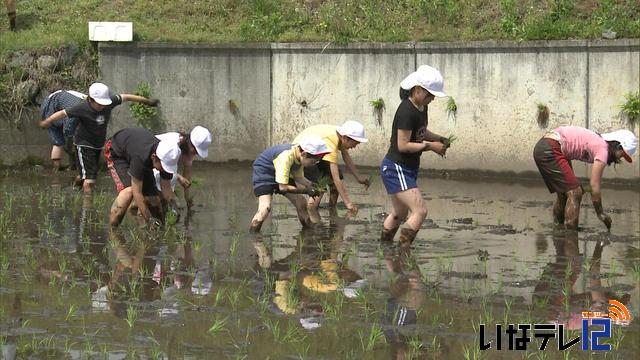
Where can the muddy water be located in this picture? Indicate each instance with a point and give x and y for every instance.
(205, 288)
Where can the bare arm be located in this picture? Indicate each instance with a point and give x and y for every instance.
(167, 193)
(52, 118)
(335, 175)
(406, 146)
(136, 189)
(353, 170)
(140, 99)
(596, 195)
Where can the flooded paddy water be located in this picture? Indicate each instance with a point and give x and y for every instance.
(206, 288)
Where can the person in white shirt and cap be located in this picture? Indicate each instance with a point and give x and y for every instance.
(409, 139)
(553, 154)
(195, 143)
(280, 170)
(131, 155)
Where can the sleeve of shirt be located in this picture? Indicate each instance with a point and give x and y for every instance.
(136, 168)
(74, 111)
(282, 164)
(331, 157)
(601, 153)
(116, 99)
(406, 121)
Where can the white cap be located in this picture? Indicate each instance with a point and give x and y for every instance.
(627, 139)
(100, 93)
(354, 130)
(168, 152)
(314, 145)
(426, 77)
(201, 139)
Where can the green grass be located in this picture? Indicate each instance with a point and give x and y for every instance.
(43, 23)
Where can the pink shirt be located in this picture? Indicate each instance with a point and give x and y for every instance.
(578, 143)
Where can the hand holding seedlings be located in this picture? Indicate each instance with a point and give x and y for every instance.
(322, 184)
(437, 147)
(447, 141)
(366, 182)
(312, 191)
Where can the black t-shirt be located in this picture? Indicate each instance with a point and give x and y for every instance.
(136, 145)
(92, 124)
(408, 117)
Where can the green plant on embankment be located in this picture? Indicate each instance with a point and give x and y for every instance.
(631, 107)
(145, 116)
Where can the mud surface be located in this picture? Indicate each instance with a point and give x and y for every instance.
(206, 288)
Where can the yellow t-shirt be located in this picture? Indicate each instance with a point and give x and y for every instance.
(283, 164)
(328, 133)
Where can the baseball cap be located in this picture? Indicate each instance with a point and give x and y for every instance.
(314, 145)
(426, 77)
(100, 93)
(201, 139)
(168, 152)
(354, 130)
(627, 139)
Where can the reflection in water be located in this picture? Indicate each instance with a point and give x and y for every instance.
(557, 284)
(65, 277)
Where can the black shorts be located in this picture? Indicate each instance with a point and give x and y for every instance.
(119, 170)
(321, 169)
(88, 160)
(270, 189)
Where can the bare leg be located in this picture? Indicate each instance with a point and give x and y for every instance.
(120, 206)
(88, 185)
(392, 222)
(333, 196)
(312, 207)
(300, 203)
(572, 210)
(56, 156)
(11, 12)
(264, 207)
(558, 208)
(412, 199)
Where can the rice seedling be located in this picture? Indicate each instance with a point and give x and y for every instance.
(471, 352)
(196, 181)
(292, 334)
(218, 326)
(452, 107)
(368, 342)
(132, 315)
(71, 312)
(219, 296)
(323, 184)
(88, 349)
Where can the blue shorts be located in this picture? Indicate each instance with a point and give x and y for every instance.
(56, 133)
(397, 177)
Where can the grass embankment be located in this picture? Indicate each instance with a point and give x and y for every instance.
(45, 23)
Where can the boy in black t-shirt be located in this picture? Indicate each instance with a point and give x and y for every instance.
(93, 118)
(131, 155)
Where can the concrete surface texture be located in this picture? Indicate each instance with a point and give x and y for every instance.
(255, 95)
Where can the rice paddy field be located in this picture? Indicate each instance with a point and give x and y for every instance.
(205, 288)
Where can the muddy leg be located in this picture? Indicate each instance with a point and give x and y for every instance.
(558, 209)
(407, 236)
(572, 209)
(264, 207)
(120, 206)
(300, 202)
(312, 207)
(88, 185)
(333, 196)
(56, 155)
(394, 219)
(11, 12)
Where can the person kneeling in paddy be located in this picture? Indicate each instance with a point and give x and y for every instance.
(553, 154)
(278, 169)
(131, 155)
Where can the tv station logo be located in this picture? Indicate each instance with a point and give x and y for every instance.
(595, 327)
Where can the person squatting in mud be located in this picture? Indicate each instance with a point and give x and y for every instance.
(131, 155)
(409, 139)
(195, 143)
(93, 118)
(553, 154)
(338, 138)
(62, 130)
(280, 170)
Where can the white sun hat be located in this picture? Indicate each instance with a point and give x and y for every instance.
(201, 139)
(354, 130)
(314, 145)
(627, 139)
(99, 92)
(426, 77)
(168, 152)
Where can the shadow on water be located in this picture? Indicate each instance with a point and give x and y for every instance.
(487, 254)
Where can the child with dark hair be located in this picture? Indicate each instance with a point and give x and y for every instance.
(553, 154)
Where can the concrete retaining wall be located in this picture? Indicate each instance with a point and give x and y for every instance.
(254, 95)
